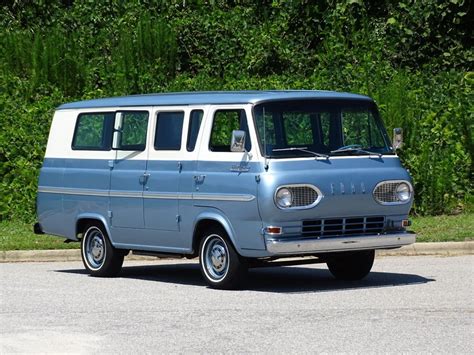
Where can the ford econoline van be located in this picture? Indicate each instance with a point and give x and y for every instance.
(238, 179)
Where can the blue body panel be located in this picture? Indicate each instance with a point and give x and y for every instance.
(160, 223)
(244, 217)
(50, 206)
(161, 213)
(167, 223)
(127, 210)
(97, 179)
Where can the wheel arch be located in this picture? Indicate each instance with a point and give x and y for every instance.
(212, 218)
(84, 219)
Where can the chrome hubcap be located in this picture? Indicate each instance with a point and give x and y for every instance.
(94, 248)
(216, 259)
(97, 248)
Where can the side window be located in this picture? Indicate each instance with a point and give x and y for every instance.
(194, 126)
(134, 128)
(93, 131)
(225, 121)
(169, 127)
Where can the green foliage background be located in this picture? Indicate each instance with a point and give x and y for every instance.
(414, 57)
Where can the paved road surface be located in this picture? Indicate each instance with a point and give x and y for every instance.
(407, 304)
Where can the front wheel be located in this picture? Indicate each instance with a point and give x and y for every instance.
(220, 264)
(351, 266)
(98, 255)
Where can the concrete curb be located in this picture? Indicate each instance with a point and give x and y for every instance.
(440, 249)
(19, 256)
(417, 249)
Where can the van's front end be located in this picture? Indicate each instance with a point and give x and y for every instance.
(333, 184)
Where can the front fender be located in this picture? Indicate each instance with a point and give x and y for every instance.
(217, 215)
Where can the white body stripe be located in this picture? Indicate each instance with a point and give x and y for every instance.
(61, 134)
(64, 122)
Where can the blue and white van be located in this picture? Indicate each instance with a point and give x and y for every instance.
(238, 179)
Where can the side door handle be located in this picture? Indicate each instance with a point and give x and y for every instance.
(199, 179)
(144, 178)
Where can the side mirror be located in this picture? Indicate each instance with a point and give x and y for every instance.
(397, 138)
(117, 135)
(237, 144)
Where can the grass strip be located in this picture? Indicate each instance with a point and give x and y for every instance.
(456, 228)
(16, 235)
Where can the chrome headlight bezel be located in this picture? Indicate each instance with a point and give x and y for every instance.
(397, 192)
(292, 189)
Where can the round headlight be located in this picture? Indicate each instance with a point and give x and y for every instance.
(284, 197)
(403, 192)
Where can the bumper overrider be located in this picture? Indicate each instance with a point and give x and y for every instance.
(278, 245)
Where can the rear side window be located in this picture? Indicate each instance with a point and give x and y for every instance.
(93, 131)
(225, 121)
(194, 126)
(169, 127)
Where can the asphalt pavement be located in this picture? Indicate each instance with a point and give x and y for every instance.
(407, 304)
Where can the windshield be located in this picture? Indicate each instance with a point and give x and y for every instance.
(315, 128)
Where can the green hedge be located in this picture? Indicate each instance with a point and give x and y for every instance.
(414, 58)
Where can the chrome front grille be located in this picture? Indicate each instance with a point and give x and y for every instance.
(385, 192)
(343, 226)
(303, 196)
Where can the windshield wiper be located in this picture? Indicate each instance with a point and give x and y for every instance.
(301, 149)
(355, 148)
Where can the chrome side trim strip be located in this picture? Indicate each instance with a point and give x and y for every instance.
(147, 194)
(118, 193)
(167, 195)
(224, 197)
(88, 192)
(198, 196)
(279, 246)
(73, 191)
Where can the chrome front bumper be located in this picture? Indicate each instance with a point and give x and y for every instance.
(283, 246)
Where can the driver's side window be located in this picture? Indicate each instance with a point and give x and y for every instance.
(225, 121)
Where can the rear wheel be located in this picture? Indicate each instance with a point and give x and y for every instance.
(98, 255)
(351, 266)
(221, 266)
